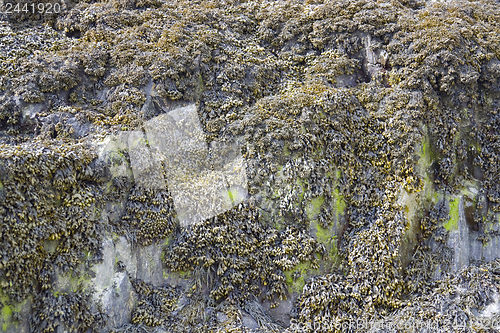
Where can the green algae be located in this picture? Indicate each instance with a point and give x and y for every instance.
(299, 283)
(7, 315)
(114, 236)
(8, 310)
(167, 241)
(184, 274)
(88, 255)
(58, 293)
(77, 283)
(300, 182)
(426, 157)
(201, 85)
(286, 151)
(452, 223)
(489, 223)
(314, 207)
(231, 195)
(425, 148)
(426, 153)
(435, 197)
(234, 195)
(322, 234)
(328, 238)
(317, 202)
(340, 204)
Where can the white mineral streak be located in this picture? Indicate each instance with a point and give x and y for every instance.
(459, 241)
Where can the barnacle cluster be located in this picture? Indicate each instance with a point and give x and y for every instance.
(370, 130)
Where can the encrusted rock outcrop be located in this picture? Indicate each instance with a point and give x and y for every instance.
(250, 166)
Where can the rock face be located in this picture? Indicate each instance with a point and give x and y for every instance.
(256, 166)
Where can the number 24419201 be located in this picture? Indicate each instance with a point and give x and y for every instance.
(34, 8)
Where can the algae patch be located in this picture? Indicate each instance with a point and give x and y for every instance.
(6, 314)
(452, 223)
(314, 207)
(340, 204)
(328, 238)
(295, 278)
